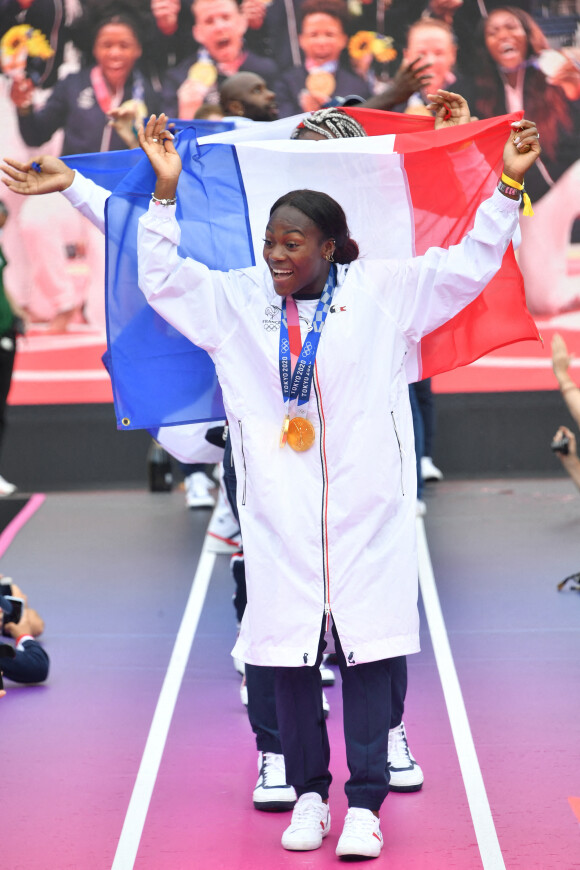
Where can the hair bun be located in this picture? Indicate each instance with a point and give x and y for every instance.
(347, 252)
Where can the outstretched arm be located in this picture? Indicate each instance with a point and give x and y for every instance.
(561, 360)
(444, 281)
(44, 174)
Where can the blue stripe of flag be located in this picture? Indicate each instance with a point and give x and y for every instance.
(159, 377)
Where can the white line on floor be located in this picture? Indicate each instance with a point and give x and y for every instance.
(139, 804)
(485, 832)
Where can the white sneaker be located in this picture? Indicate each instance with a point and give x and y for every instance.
(197, 490)
(223, 531)
(327, 674)
(421, 508)
(5, 487)
(361, 836)
(309, 826)
(429, 470)
(272, 792)
(325, 706)
(406, 775)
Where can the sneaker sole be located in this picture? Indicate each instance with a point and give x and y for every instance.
(274, 806)
(308, 847)
(406, 788)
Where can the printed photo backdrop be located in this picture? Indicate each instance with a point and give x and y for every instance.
(67, 64)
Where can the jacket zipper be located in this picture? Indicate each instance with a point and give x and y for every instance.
(324, 530)
(243, 459)
(400, 449)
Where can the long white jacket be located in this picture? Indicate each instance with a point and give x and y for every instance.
(331, 530)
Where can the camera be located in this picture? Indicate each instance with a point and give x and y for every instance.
(15, 616)
(6, 652)
(560, 445)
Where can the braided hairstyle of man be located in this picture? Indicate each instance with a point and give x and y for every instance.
(333, 123)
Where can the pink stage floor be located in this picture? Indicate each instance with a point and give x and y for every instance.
(94, 778)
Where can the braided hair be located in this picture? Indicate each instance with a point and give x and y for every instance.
(333, 123)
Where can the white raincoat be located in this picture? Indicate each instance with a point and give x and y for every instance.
(331, 530)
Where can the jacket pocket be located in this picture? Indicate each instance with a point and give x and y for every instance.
(240, 424)
(399, 445)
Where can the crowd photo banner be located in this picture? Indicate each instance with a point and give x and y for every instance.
(59, 97)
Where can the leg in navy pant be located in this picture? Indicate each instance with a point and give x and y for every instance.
(366, 697)
(302, 727)
(398, 667)
(366, 691)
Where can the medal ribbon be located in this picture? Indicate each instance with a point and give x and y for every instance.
(298, 385)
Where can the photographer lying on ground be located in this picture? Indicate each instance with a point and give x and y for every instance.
(30, 663)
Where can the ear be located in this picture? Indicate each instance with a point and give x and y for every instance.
(328, 247)
(234, 107)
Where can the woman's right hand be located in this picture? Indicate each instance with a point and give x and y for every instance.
(157, 143)
(521, 150)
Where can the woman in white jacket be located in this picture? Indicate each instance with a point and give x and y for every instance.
(328, 533)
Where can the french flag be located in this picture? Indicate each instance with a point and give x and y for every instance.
(404, 188)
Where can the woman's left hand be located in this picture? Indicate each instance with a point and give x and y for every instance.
(521, 150)
(157, 143)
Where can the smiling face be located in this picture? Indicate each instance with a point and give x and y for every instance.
(219, 27)
(436, 47)
(116, 50)
(295, 252)
(322, 38)
(505, 39)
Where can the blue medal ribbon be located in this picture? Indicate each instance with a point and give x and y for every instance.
(298, 385)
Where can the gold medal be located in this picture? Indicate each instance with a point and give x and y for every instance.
(301, 435)
(320, 82)
(284, 432)
(204, 72)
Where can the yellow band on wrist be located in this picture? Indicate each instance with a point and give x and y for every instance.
(507, 180)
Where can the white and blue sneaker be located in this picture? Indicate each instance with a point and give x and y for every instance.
(406, 775)
(272, 792)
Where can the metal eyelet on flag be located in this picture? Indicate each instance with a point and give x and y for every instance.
(125, 421)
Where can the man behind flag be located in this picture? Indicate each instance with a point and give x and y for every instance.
(328, 533)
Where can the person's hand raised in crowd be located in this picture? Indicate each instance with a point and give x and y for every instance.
(450, 109)
(125, 120)
(254, 11)
(44, 174)
(409, 78)
(157, 143)
(561, 359)
(190, 96)
(521, 150)
(567, 76)
(166, 14)
(21, 94)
